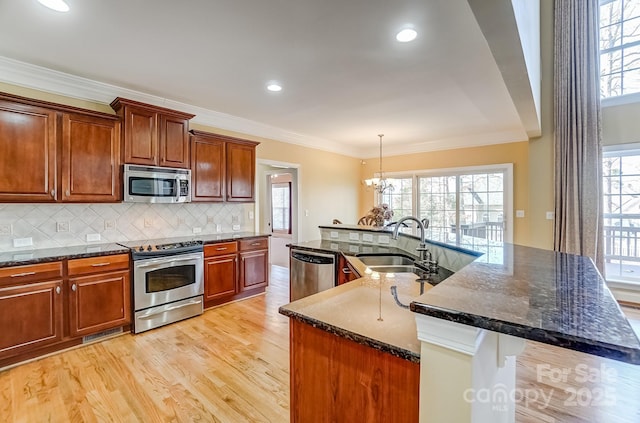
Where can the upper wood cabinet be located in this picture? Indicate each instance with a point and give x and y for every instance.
(27, 141)
(153, 135)
(71, 154)
(90, 159)
(222, 168)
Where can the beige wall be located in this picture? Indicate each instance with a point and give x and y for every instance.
(516, 153)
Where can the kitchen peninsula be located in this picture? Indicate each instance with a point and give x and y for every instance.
(470, 327)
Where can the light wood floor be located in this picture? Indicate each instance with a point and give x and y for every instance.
(232, 365)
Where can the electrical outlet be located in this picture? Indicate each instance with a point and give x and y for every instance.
(334, 235)
(197, 230)
(235, 227)
(109, 224)
(367, 237)
(519, 213)
(5, 229)
(550, 215)
(354, 236)
(148, 222)
(218, 227)
(22, 242)
(62, 226)
(251, 215)
(383, 239)
(93, 237)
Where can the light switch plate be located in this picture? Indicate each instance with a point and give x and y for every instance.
(354, 236)
(197, 230)
(218, 227)
(519, 213)
(550, 215)
(93, 237)
(334, 235)
(354, 249)
(235, 227)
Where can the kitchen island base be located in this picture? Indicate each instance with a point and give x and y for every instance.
(334, 379)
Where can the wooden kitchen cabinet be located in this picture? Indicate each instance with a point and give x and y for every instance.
(207, 167)
(27, 151)
(241, 169)
(222, 168)
(154, 136)
(99, 294)
(254, 264)
(90, 159)
(220, 272)
(31, 308)
(346, 272)
(55, 153)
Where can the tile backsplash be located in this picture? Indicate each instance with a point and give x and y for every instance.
(61, 225)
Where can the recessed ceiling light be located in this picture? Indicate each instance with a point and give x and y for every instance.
(274, 86)
(57, 5)
(406, 35)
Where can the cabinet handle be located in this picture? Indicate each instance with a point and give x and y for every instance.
(100, 264)
(255, 243)
(19, 275)
(221, 248)
(53, 193)
(57, 290)
(74, 288)
(346, 271)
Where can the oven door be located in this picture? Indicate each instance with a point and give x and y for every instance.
(164, 280)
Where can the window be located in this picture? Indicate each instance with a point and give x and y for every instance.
(619, 47)
(281, 207)
(466, 206)
(621, 212)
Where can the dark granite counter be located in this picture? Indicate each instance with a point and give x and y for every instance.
(21, 257)
(25, 257)
(545, 296)
(554, 298)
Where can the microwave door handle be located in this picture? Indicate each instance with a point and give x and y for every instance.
(177, 189)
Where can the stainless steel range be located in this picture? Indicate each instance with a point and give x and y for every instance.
(168, 282)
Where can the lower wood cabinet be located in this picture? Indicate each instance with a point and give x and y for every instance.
(99, 294)
(235, 270)
(42, 310)
(346, 272)
(30, 316)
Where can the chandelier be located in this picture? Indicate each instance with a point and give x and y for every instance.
(380, 184)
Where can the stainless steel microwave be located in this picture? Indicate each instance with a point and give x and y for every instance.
(149, 184)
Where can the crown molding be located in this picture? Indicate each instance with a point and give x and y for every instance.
(40, 78)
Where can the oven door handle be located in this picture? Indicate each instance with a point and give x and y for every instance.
(164, 261)
(152, 315)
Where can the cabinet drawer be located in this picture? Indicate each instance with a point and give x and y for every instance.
(254, 244)
(98, 264)
(220, 248)
(29, 273)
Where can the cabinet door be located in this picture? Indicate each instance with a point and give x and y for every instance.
(140, 136)
(207, 169)
(27, 153)
(220, 277)
(90, 159)
(30, 316)
(174, 141)
(99, 302)
(241, 167)
(346, 273)
(254, 272)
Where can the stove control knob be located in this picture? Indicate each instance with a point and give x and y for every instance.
(149, 248)
(141, 248)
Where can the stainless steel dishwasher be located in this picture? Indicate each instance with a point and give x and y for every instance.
(311, 272)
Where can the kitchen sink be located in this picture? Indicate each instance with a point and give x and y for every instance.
(385, 260)
(395, 269)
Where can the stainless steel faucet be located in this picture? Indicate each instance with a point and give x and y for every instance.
(425, 255)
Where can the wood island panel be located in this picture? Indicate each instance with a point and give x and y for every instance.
(334, 379)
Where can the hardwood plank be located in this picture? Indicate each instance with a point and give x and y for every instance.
(232, 365)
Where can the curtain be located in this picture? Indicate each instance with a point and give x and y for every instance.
(578, 152)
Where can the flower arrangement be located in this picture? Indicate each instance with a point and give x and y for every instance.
(378, 214)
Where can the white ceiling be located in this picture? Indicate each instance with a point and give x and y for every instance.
(345, 77)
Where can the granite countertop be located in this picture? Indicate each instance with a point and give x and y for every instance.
(352, 311)
(545, 296)
(555, 298)
(22, 257)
